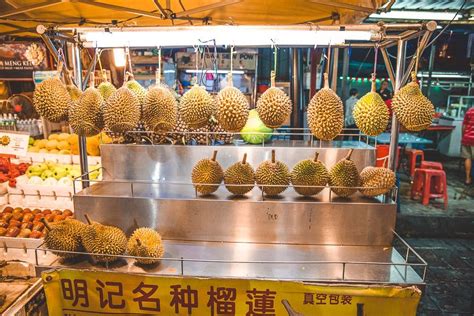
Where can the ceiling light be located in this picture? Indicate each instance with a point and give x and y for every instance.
(221, 36)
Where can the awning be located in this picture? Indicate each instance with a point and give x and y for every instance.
(20, 17)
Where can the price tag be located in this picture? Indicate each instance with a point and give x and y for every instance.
(14, 143)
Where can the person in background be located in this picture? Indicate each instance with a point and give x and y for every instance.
(384, 92)
(467, 143)
(350, 103)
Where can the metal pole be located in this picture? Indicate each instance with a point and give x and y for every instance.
(430, 70)
(397, 85)
(295, 86)
(335, 66)
(345, 73)
(82, 140)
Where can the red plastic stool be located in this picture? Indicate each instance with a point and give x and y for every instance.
(427, 189)
(382, 153)
(431, 165)
(413, 154)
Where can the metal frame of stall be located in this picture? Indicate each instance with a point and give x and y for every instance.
(399, 77)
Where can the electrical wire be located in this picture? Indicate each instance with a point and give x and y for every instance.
(447, 25)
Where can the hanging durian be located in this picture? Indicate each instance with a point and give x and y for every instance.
(160, 111)
(135, 87)
(105, 240)
(207, 174)
(344, 174)
(273, 176)
(121, 111)
(240, 173)
(376, 181)
(274, 106)
(196, 107)
(85, 116)
(64, 236)
(311, 172)
(146, 242)
(370, 113)
(106, 88)
(232, 107)
(326, 113)
(51, 98)
(412, 109)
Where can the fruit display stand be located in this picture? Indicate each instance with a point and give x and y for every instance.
(318, 240)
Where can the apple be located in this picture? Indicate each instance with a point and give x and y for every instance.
(28, 225)
(38, 226)
(36, 211)
(18, 216)
(49, 217)
(12, 232)
(14, 222)
(36, 234)
(3, 224)
(38, 217)
(28, 217)
(24, 233)
(67, 212)
(8, 209)
(46, 211)
(7, 217)
(58, 218)
(3, 231)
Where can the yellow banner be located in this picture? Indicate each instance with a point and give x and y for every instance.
(78, 293)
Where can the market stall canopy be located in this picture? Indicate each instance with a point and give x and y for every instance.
(20, 17)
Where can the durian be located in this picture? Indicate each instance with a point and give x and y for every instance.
(136, 88)
(273, 176)
(344, 174)
(145, 242)
(207, 174)
(106, 89)
(232, 108)
(240, 173)
(64, 236)
(102, 239)
(326, 113)
(121, 111)
(376, 181)
(196, 107)
(218, 133)
(412, 109)
(274, 106)
(311, 172)
(160, 110)
(370, 113)
(52, 100)
(85, 117)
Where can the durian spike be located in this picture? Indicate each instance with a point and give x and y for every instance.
(348, 156)
(244, 160)
(316, 155)
(46, 224)
(326, 80)
(273, 156)
(88, 219)
(214, 155)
